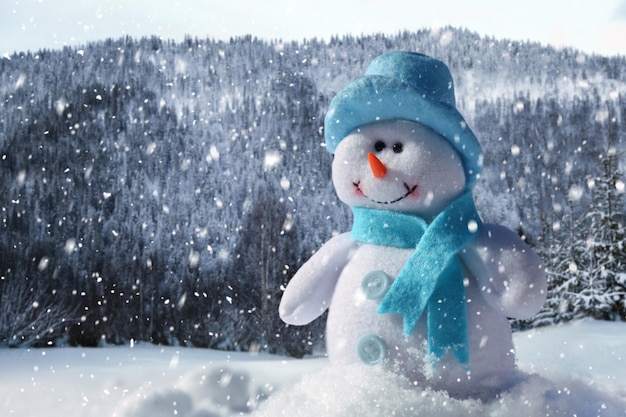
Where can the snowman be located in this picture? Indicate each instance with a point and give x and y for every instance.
(420, 286)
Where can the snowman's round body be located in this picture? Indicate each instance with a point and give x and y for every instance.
(352, 316)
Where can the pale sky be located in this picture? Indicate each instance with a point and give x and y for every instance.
(597, 26)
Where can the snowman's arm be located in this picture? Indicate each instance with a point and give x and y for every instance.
(308, 293)
(509, 273)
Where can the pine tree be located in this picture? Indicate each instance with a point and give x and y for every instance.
(605, 296)
(586, 266)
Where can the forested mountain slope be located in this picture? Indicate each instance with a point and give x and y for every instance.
(164, 191)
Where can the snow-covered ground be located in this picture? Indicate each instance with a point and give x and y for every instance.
(578, 369)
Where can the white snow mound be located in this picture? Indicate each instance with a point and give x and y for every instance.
(363, 392)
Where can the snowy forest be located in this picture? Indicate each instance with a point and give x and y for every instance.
(166, 192)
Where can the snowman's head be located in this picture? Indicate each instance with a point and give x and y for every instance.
(398, 165)
(399, 141)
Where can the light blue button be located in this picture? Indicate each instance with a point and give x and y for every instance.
(375, 285)
(371, 349)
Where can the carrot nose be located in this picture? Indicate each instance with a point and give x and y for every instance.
(378, 168)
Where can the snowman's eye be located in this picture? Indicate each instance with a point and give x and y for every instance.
(379, 146)
(397, 147)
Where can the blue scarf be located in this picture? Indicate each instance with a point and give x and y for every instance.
(432, 277)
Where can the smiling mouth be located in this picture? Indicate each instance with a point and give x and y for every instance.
(409, 190)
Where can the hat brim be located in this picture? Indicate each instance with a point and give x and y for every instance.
(376, 98)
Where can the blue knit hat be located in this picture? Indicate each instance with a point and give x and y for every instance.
(408, 86)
